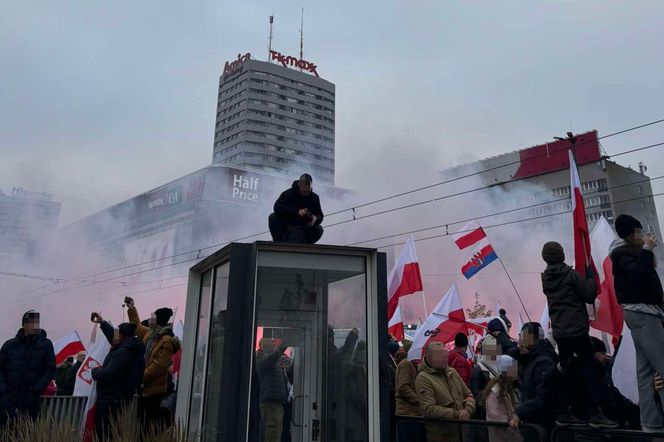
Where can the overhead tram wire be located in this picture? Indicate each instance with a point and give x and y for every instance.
(391, 197)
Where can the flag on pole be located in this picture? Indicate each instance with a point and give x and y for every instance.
(86, 386)
(472, 235)
(442, 325)
(609, 314)
(68, 345)
(404, 279)
(395, 326)
(624, 368)
(545, 322)
(583, 259)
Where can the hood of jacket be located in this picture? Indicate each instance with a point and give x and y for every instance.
(553, 276)
(618, 242)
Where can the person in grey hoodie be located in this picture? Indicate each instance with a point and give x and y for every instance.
(639, 291)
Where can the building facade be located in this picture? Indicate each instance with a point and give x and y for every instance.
(26, 218)
(275, 118)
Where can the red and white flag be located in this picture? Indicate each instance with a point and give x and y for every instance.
(67, 346)
(583, 259)
(624, 368)
(609, 315)
(404, 279)
(442, 325)
(86, 386)
(395, 326)
(472, 235)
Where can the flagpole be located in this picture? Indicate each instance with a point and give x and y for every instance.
(424, 303)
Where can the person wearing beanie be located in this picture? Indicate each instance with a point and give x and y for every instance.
(639, 290)
(27, 366)
(503, 315)
(567, 293)
(160, 346)
(501, 401)
(458, 358)
(120, 376)
(499, 330)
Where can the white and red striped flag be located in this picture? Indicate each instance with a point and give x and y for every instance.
(395, 326)
(68, 345)
(404, 279)
(609, 316)
(472, 234)
(86, 386)
(442, 325)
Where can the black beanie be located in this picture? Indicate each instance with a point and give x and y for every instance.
(503, 315)
(127, 329)
(30, 314)
(626, 224)
(460, 340)
(163, 315)
(553, 253)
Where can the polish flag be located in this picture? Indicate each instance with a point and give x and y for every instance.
(86, 386)
(404, 279)
(472, 235)
(609, 314)
(583, 259)
(395, 326)
(67, 346)
(442, 325)
(624, 368)
(545, 322)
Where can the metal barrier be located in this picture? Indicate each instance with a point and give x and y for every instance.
(568, 434)
(61, 408)
(466, 431)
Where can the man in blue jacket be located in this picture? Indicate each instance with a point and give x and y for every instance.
(27, 365)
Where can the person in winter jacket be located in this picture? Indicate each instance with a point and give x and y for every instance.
(501, 402)
(639, 290)
(537, 376)
(498, 329)
(488, 352)
(458, 358)
(160, 346)
(27, 366)
(442, 395)
(61, 375)
(297, 214)
(70, 376)
(567, 293)
(407, 401)
(271, 367)
(121, 373)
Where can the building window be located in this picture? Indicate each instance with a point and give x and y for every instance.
(639, 189)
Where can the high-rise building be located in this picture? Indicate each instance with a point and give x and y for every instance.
(26, 218)
(275, 118)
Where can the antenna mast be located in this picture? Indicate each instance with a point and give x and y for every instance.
(302, 35)
(269, 39)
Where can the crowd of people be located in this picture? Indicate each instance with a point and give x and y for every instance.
(559, 379)
(137, 366)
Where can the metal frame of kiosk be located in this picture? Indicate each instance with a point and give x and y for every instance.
(308, 297)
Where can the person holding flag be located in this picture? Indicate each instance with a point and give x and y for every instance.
(567, 293)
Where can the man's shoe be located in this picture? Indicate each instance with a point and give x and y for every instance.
(598, 420)
(569, 420)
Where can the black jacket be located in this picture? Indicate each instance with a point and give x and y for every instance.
(122, 371)
(61, 372)
(537, 377)
(70, 379)
(27, 365)
(634, 276)
(567, 293)
(290, 202)
(272, 376)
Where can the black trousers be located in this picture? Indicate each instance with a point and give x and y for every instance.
(283, 232)
(576, 360)
(150, 411)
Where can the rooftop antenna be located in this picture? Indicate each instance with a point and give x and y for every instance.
(269, 38)
(302, 35)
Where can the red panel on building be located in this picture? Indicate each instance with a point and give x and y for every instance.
(553, 156)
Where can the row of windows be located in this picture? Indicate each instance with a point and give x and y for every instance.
(585, 187)
(230, 108)
(281, 87)
(291, 120)
(596, 216)
(289, 130)
(273, 148)
(243, 156)
(227, 91)
(228, 129)
(596, 200)
(567, 221)
(229, 118)
(293, 110)
(297, 83)
(287, 99)
(291, 141)
(232, 97)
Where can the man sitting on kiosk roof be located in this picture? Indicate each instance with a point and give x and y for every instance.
(297, 214)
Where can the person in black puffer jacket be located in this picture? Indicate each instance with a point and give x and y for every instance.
(120, 375)
(567, 293)
(27, 365)
(297, 214)
(272, 364)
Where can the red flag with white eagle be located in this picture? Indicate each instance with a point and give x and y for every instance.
(583, 259)
(404, 279)
(442, 325)
(609, 314)
(68, 345)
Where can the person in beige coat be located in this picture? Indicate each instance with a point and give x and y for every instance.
(442, 394)
(501, 402)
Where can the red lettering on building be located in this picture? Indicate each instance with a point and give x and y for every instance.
(233, 67)
(294, 62)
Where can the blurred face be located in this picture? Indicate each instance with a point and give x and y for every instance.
(491, 350)
(152, 322)
(512, 372)
(116, 335)
(636, 238)
(527, 340)
(31, 326)
(602, 357)
(304, 187)
(437, 357)
(80, 358)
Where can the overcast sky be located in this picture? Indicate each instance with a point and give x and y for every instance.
(100, 101)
